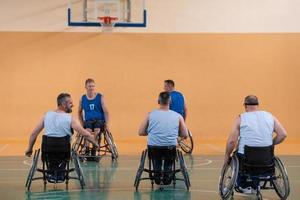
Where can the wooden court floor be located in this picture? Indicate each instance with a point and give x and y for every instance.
(114, 180)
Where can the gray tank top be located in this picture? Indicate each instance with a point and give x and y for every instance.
(163, 128)
(57, 124)
(256, 129)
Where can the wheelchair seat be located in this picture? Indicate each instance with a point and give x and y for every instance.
(258, 160)
(56, 154)
(162, 154)
(166, 157)
(258, 168)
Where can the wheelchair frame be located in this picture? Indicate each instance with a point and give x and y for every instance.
(227, 183)
(34, 168)
(150, 171)
(108, 146)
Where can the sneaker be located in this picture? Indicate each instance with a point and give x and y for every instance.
(247, 190)
(225, 190)
(157, 178)
(167, 179)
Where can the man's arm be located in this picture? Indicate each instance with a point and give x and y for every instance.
(185, 111)
(80, 117)
(105, 111)
(183, 132)
(144, 126)
(77, 127)
(281, 133)
(36, 131)
(232, 139)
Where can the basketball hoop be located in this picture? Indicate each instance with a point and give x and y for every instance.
(107, 23)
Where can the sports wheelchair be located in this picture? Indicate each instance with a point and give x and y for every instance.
(187, 145)
(169, 154)
(87, 153)
(258, 169)
(56, 156)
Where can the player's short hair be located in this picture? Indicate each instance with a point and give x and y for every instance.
(251, 100)
(61, 98)
(170, 82)
(89, 80)
(164, 98)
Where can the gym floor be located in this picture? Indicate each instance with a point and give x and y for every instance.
(114, 180)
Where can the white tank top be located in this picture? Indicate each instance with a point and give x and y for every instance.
(163, 128)
(57, 124)
(256, 129)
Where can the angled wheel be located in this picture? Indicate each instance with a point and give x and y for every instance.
(78, 169)
(111, 145)
(114, 146)
(228, 178)
(32, 168)
(183, 169)
(281, 182)
(187, 145)
(140, 169)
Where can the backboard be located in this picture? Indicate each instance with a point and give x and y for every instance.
(127, 13)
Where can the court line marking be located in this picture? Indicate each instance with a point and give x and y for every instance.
(4, 147)
(214, 148)
(25, 162)
(127, 189)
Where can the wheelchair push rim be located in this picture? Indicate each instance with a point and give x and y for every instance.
(187, 145)
(281, 182)
(228, 178)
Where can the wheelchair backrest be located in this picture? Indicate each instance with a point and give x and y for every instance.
(162, 153)
(56, 147)
(259, 156)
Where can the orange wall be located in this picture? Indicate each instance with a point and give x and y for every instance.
(214, 71)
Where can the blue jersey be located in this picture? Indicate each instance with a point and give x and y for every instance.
(92, 108)
(177, 103)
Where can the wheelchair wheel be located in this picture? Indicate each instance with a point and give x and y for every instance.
(228, 178)
(186, 145)
(111, 145)
(281, 182)
(78, 169)
(114, 146)
(183, 169)
(140, 169)
(32, 169)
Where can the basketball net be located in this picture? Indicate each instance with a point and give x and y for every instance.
(107, 23)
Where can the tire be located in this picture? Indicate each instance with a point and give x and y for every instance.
(281, 182)
(183, 169)
(111, 145)
(78, 169)
(228, 178)
(32, 169)
(114, 146)
(140, 170)
(187, 145)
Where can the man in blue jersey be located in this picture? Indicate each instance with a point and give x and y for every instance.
(177, 100)
(92, 111)
(253, 128)
(162, 126)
